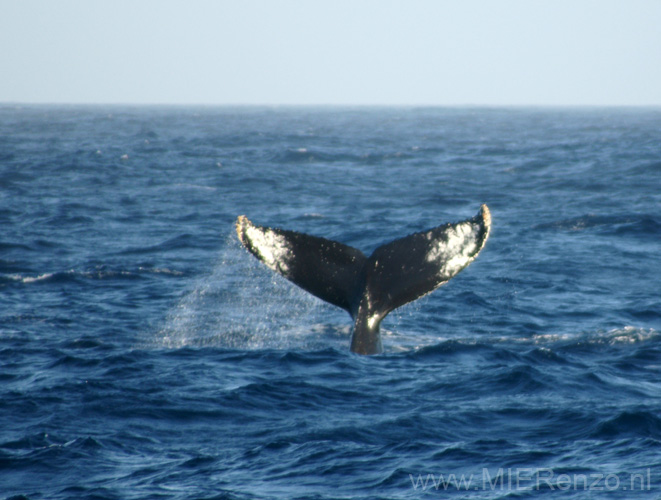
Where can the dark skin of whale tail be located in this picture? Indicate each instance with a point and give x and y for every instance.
(368, 288)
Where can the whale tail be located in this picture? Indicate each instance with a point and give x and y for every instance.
(368, 288)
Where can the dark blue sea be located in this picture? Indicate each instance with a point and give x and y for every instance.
(144, 354)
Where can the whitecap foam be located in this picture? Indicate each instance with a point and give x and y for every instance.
(30, 279)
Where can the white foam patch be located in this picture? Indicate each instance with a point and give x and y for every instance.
(30, 279)
(625, 335)
(158, 270)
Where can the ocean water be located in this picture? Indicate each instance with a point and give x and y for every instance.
(145, 355)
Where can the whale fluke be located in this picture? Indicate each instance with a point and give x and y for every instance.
(368, 288)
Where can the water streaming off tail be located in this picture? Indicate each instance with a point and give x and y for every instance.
(242, 304)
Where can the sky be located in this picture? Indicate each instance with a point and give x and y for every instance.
(332, 52)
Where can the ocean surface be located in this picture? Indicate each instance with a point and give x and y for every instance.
(144, 354)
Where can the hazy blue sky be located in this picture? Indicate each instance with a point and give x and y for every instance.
(493, 52)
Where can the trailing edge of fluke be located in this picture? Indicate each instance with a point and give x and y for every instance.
(368, 288)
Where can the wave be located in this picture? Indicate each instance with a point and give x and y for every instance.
(624, 335)
(46, 450)
(100, 273)
(330, 156)
(641, 225)
(631, 423)
(540, 343)
(182, 241)
(10, 245)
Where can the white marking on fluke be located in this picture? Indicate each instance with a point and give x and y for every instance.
(272, 248)
(455, 251)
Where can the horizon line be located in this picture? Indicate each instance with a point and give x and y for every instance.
(321, 105)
